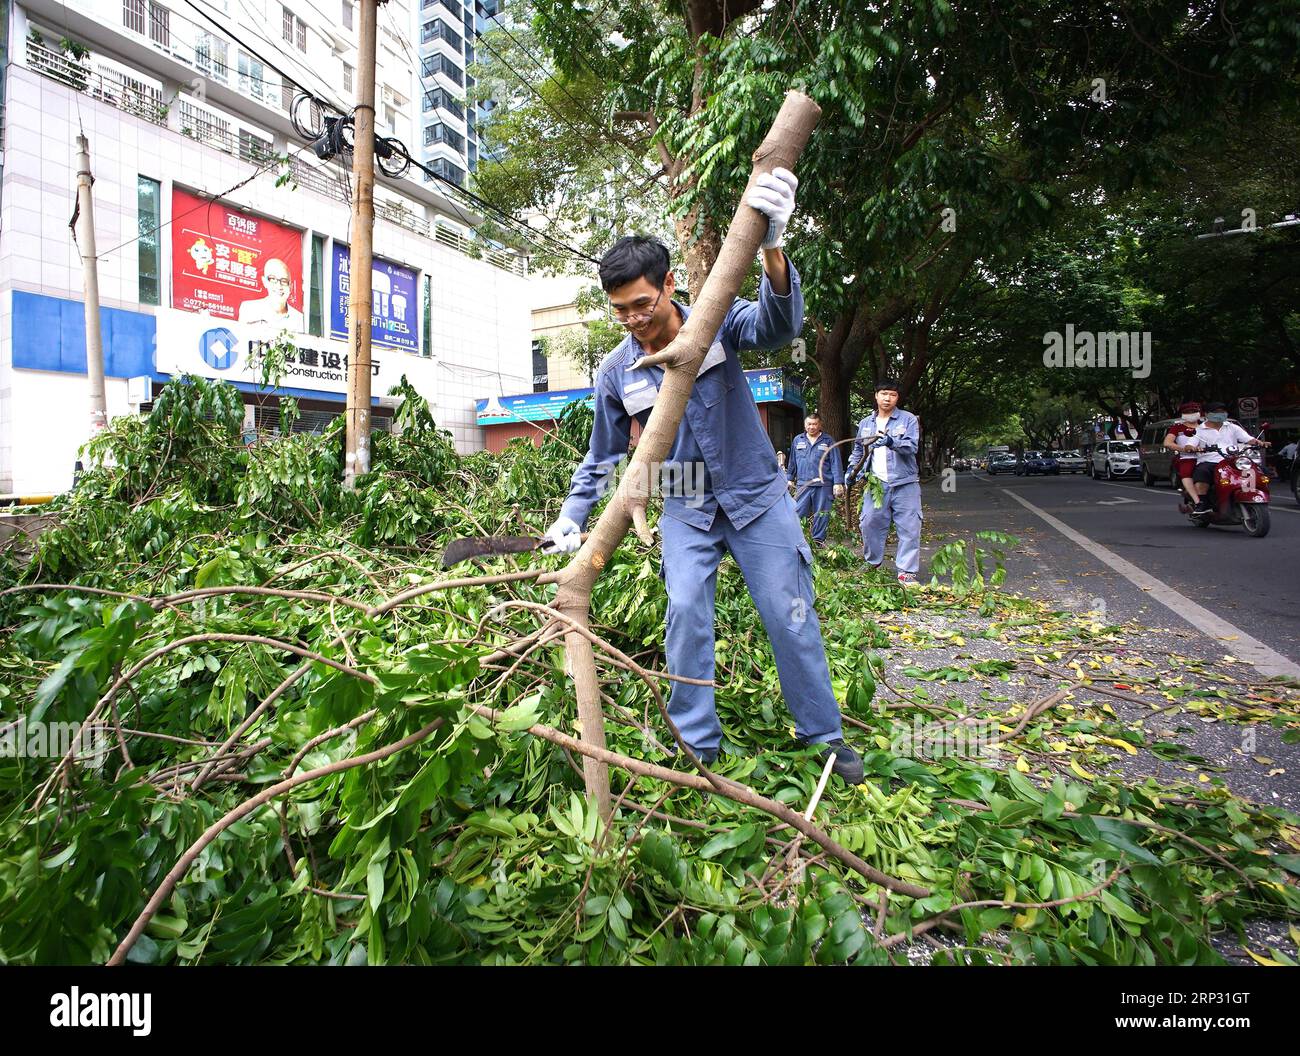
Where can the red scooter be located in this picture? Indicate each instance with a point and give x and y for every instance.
(1240, 492)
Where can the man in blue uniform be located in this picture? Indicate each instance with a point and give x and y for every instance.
(742, 507)
(890, 439)
(815, 475)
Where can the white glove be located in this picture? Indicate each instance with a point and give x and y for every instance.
(773, 196)
(564, 536)
(838, 490)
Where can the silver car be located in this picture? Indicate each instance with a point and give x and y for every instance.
(1069, 461)
(1115, 458)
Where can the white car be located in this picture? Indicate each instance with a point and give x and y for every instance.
(1115, 458)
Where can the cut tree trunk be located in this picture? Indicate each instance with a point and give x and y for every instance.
(681, 359)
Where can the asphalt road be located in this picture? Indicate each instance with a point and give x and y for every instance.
(1253, 584)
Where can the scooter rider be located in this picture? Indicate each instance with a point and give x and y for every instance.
(1179, 434)
(1215, 431)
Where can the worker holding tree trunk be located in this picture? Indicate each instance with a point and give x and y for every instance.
(743, 507)
(886, 446)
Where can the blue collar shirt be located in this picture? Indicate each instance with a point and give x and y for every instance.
(721, 456)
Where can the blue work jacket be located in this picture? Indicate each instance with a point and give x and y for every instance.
(902, 439)
(721, 427)
(805, 461)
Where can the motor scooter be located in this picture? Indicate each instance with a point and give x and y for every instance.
(1239, 494)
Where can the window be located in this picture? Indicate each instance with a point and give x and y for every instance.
(427, 348)
(210, 56)
(135, 15)
(347, 78)
(160, 25)
(293, 29)
(252, 76)
(441, 133)
(444, 169)
(441, 99)
(316, 301)
(541, 377)
(148, 199)
(347, 14)
(439, 30)
(444, 65)
(254, 148)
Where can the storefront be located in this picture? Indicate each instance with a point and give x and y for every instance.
(778, 394)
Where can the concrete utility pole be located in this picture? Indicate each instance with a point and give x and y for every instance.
(83, 225)
(357, 459)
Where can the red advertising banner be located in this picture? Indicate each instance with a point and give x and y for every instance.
(235, 266)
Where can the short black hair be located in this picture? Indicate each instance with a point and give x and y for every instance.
(1212, 408)
(889, 384)
(632, 257)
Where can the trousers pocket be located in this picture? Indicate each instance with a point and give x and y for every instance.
(800, 592)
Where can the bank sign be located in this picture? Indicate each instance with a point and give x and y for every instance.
(394, 306)
(209, 347)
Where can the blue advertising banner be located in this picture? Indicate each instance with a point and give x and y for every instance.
(767, 386)
(394, 305)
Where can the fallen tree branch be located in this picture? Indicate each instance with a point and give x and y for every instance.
(732, 790)
(219, 826)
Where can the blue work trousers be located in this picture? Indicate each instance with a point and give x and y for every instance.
(815, 500)
(902, 506)
(777, 565)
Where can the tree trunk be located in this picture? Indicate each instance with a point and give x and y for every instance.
(682, 359)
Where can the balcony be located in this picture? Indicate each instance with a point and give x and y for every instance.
(101, 80)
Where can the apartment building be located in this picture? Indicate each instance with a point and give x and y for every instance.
(215, 221)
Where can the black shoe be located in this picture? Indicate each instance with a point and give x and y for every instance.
(848, 764)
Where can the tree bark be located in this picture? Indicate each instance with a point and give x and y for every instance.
(682, 359)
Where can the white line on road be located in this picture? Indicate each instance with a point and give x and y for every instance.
(1265, 660)
(1133, 487)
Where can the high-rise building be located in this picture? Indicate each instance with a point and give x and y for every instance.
(449, 125)
(218, 226)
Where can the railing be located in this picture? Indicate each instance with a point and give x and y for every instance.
(317, 179)
(402, 216)
(144, 100)
(108, 85)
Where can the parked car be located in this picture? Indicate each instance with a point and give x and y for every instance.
(1004, 463)
(1036, 462)
(1070, 461)
(1157, 460)
(1115, 458)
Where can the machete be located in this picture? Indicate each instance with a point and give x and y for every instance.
(493, 546)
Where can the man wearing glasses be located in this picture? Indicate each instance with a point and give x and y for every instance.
(274, 308)
(744, 510)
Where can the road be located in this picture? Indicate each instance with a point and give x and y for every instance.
(1087, 541)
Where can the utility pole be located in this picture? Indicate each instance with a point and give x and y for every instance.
(357, 459)
(83, 226)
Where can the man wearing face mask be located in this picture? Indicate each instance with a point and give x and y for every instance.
(1180, 434)
(1215, 431)
(744, 510)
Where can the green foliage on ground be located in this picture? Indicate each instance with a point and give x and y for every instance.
(475, 844)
